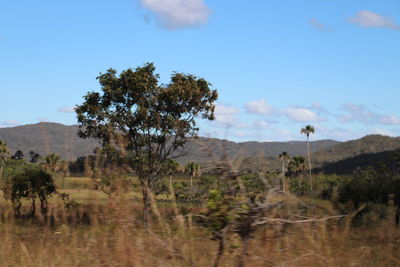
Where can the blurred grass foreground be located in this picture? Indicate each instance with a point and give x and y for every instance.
(92, 228)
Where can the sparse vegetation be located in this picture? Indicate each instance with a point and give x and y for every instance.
(233, 211)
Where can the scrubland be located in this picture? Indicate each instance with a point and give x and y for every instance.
(107, 230)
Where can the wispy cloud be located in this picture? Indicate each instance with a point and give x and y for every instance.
(383, 132)
(43, 119)
(369, 19)
(260, 107)
(178, 14)
(9, 123)
(66, 109)
(299, 114)
(361, 114)
(321, 27)
(226, 116)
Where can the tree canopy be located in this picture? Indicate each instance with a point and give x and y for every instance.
(143, 119)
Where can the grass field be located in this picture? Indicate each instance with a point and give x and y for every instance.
(107, 231)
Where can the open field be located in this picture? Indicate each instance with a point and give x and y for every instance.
(104, 231)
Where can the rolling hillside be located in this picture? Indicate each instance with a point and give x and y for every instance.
(46, 138)
(369, 144)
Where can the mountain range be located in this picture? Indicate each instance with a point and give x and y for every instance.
(47, 138)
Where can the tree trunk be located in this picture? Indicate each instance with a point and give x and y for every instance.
(146, 206)
(243, 255)
(309, 162)
(33, 207)
(17, 208)
(220, 253)
(283, 177)
(170, 185)
(191, 182)
(43, 207)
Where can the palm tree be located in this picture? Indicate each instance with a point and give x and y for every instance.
(284, 156)
(172, 167)
(194, 170)
(3, 155)
(52, 163)
(296, 168)
(307, 131)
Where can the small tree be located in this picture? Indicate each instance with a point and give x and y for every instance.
(52, 163)
(296, 169)
(18, 155)
(172, 167)
(147, 121)
(219, 216)
(284, 156)
(35, 157)
(3, 155)
(194, 170)
(29, 182)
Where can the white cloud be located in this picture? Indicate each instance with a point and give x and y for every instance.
(177, 14)
(67, 109)
(359, 113)
(261, 124)
(260, 107)
(9, 123)
(321, 27)
(369, 19)
(390, 120)
(222, 109)
(298, 114)
(383, 132)
(284, 135)
(43, 119)
(226, 116)
(335, 133)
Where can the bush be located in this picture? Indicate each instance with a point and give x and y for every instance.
(24, 180)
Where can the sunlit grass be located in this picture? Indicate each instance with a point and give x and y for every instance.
(114, 236)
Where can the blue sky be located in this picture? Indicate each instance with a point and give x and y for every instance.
(278, 65)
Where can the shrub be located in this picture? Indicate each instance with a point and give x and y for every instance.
(30, 182)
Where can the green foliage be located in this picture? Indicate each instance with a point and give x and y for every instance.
(144, 120)
(3, 156)
(326, 186)
(26, 181)
(220, 213)
(307, 130)
(199, 193)
(137, 115)
(35, 157)
(373, 184)
(254, 186)
(19, 155)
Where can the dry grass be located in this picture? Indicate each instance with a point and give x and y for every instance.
(112, 235)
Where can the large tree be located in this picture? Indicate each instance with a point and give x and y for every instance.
(145, 120)
(307, 131)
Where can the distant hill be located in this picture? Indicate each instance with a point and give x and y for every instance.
(370, 144)
(328, 156)
(340, 158)
(349, 165)
(46, 138)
